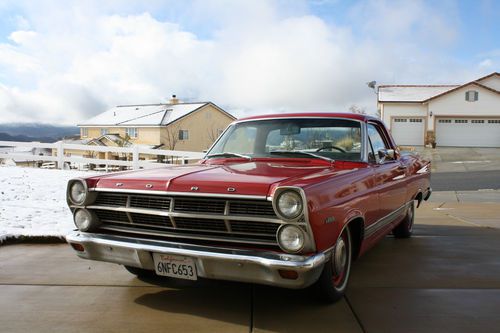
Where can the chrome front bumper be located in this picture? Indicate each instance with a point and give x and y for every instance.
(211, 262)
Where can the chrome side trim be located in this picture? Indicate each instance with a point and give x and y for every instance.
(386, 220)
(183, 194)
(424, 169)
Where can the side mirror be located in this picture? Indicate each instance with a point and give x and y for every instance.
(386, 154)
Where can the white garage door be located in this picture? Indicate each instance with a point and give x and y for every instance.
(465, 132)
(408, 131)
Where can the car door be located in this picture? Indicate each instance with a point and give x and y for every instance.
(389, 175)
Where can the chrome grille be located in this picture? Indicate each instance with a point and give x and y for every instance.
(110, 215)
(150, 202)
(254, 227)
(256, 208)
(110, 199)
(200, 224)
(199, 205)
(199, 218)
(147, 219)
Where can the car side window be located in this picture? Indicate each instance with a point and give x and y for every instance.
(376, 141)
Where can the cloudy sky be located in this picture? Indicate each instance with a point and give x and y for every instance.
(64, 61)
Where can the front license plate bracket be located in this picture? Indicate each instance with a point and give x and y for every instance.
(175, 266)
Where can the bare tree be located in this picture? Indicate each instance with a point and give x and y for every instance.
(213, 133)
(356, 109)
(123, 143)
(171, 136)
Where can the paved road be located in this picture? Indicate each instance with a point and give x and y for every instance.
(465, 181)
(445, 279)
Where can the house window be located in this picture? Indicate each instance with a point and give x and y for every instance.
(85, 132)
(471, 96)
(461, 121)
(494, 121)
(444, 121)
(415, 120)
(131, 132)
(477, 121)
(400, 120)
(183, 135)
(104, 131)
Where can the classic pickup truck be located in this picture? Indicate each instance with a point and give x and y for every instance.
(288, 200)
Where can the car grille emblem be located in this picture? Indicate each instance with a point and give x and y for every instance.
(231, 189)
(194, 188)
(119, 184)
(149, 185)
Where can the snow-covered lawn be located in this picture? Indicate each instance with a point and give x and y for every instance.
(33, 203)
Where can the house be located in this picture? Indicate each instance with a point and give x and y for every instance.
(466, 115)
(171, 126)
(23, 156)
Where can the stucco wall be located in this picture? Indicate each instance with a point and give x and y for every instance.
(492, 82)
(202, 126)
(454, 104)
(402, 110)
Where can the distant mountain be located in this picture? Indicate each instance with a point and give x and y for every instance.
(35, 132)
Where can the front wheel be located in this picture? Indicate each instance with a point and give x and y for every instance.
(332, 283)
(405, 228)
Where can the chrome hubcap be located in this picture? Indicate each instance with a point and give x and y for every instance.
(340, 257)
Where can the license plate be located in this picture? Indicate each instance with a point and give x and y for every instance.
(175, 266)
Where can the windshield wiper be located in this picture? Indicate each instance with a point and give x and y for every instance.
(229, 154)
(292, 152)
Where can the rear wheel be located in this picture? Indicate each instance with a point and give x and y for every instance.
(139, 272)
(405, 228)
(332, 283)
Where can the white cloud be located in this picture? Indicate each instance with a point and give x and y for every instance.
(72, 61)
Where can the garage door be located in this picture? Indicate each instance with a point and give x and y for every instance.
(408, 131)
(465, 132)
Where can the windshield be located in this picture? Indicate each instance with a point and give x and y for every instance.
(334, 139)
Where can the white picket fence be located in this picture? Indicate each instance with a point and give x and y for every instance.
(60, 159)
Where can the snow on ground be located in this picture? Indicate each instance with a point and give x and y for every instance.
(33, 201)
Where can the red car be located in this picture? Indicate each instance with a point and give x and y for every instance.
(289, 200)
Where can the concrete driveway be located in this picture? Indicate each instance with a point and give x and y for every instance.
(460, 159)
(445, 279)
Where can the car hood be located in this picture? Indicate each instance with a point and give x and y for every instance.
(243, 178)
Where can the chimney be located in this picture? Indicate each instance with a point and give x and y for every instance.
(174, 100)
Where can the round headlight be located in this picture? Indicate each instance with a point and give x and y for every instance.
(77, 192)
(289, 204)
(291, 238)
(85, 220)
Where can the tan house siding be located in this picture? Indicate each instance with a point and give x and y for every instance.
(145, 135)
(203, 126)
(201, 135)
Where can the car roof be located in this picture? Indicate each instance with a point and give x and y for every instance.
(345, 115)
